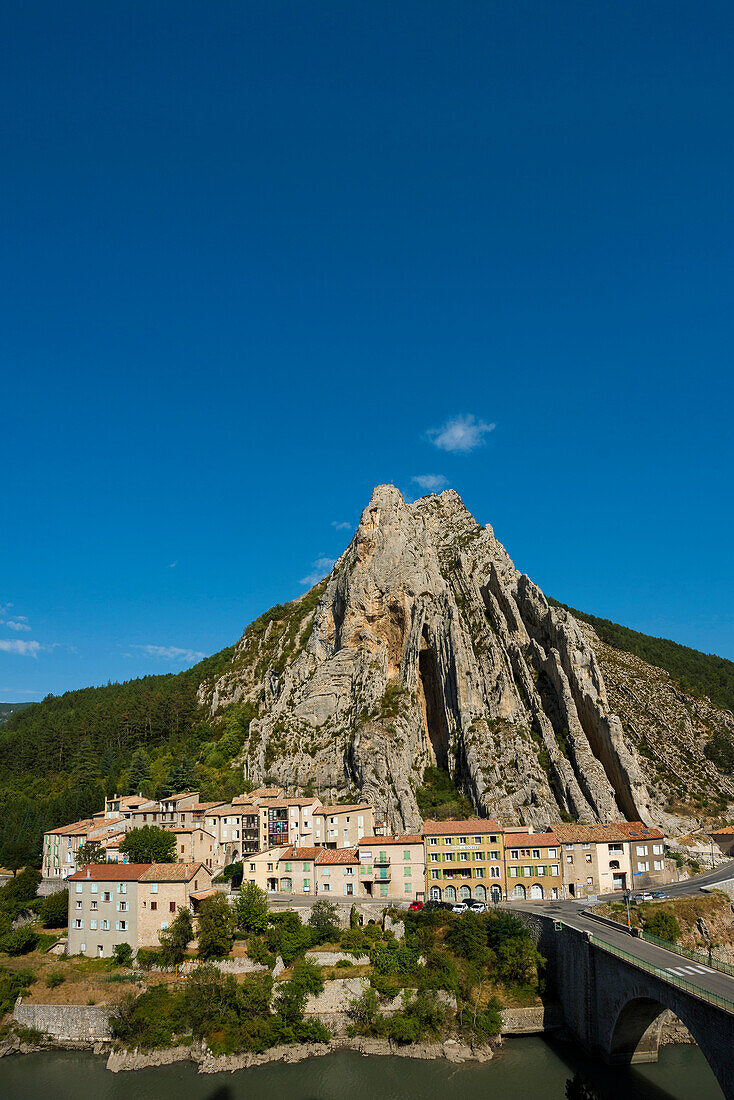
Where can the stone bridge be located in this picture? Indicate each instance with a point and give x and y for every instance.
(614, 990)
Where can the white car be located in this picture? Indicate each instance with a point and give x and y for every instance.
(459, 907)
(644, 895)
(477, 907)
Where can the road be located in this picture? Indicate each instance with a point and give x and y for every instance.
(677, 966)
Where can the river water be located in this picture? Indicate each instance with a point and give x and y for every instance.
(527, 1068)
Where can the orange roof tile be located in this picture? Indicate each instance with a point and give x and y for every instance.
(582, 834)
(301, 853)
(172, 872)
(455, 828)
(321, 810)
(636, 830)
(338, 855)
(375, 840)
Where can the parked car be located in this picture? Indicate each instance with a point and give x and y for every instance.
(659, 895)
(477, 907)
(458, 907)
(644, 895)
(415, 906)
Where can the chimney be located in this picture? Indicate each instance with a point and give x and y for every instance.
(88, 872)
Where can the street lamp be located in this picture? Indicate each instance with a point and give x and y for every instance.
(629, 919)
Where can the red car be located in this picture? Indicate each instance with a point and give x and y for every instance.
(415, 906)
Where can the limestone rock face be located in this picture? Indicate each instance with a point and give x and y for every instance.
(426, 646)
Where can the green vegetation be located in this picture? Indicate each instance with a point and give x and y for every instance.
(251, 909)
(216, 927)
(12, 984)
(440, 799)
(91, 852)
(660, 922)
(20, 941)
(9, 709)
(54, 911)
(122, 954)
(149, 844)
(720, 751)
(229, 1016)
(697, 673)
(176, 938)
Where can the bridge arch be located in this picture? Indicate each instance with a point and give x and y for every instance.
(635, 1035)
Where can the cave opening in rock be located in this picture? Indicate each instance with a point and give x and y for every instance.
(431, 699)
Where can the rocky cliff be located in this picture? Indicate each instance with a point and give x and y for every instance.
(426, 646)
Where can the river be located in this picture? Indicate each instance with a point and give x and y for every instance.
(526, 1068)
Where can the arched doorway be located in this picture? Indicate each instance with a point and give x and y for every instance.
(480, 893)
(450, 893)
(435, 893)
(496, 894)
(465, 892)
(519, 891)
(536, 892)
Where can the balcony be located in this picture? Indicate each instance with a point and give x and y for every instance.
(375, 875)
(381, 862)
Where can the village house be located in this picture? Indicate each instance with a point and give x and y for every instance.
(532, 866)
(595, 859)
(724, 838)
(297, 871)
(196, 845)
(337, 872)
(130, 903)
(262, 868)
(173, 808)
(392, 867)
(463, 860)
(342, 826)
(645, 847)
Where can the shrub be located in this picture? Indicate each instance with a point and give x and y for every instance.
(287, 937)
(661, 923)
(353, 917)
(147, 958)
(12, 984)
(55, 910)
(19, 942)
(175, 939)
(54, 979)
(123, 954)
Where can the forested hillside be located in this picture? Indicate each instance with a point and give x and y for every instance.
(7, 709)
(697, 673)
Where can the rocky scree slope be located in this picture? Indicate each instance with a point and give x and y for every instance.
(426, 646)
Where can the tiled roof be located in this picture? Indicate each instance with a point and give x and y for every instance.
(86, 825)
(201, 894)
(242, 800)
(456, 828)
(377, 840)
(321, 810)
(584, 834)
(224, 809)
(636, 830)
(536, 840)
(110, 872)
(180, 795)
(301, 853)
(266, 792)
(175, 829)
(294, 802)
(338, 855)
(722, 832)
(172, 872)
(203, 807)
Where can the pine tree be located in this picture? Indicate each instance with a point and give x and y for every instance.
(140, 774)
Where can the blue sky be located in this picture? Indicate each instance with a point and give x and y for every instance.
(261, 257)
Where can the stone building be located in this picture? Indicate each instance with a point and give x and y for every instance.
(342, 826)
(337, 872)
(532, 866)
(130, 903)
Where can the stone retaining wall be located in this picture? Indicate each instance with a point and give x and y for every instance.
(331, 958)
(78, 1023)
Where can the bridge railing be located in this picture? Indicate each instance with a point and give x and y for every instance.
(694, 956)
(664, 975)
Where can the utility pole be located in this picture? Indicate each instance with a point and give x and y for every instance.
(629, 919)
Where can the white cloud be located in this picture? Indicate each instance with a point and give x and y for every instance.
(23, 649)
(169, 652)
(341, 525)
(5, 608)
(173, 564)
(17, 624)
(460, 434)
(432, 483)
(319, 570)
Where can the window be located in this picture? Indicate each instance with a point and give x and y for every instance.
(78, 887)
(658, 864)
(307, 866)
(122, 906)
(589, 881)
(643, 866)
(307, 884)
(477, 840)
(527, 872)
(463, 857)
(433, 841)
(462, 840)
(540, 871)
(494, 872)
(514, 853)
(122, 887)
(536, 853)
(586, 844)
(614, 847)
(569, 859)
(172, 907)
(478, 856)
(94, 906)
(588, 859)
(78, 923)
(252, 868)
(105, 925)
(435, 874)
(513, 872)
(569, 847)
(407, 872)
(657, 850)
(642, 849)
(78, 905)
(154, 887)
(93, 925)
(434, 857)
(107, 896)
(555, 870)
(493, 855)
(478, 872)
(552, 853)
(164, 924)
(122, 926)
(94, 888)
(154, 905)
(406, 854)
(493, 839)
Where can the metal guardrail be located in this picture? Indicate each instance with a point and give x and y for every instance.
(694, 956)
(666, 976)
